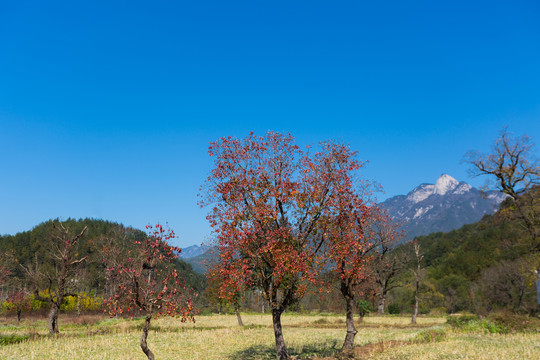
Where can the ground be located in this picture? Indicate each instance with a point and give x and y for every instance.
(314, 337)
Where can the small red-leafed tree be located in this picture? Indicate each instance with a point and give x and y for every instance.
(57, 270)
(143, 279)
(17, 301)
(225, 290)
(268, 198)
(350, 253)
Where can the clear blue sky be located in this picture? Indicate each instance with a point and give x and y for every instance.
(106, 110)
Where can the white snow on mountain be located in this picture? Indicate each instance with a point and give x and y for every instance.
(446, 205)
(462, 189)
(421, 211)
(421, 193)
(444, 184)
(499, 196)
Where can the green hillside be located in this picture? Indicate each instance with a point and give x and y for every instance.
(29, 244)
(480, 267)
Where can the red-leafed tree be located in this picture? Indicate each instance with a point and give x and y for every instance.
(350, 253)
(17, 301)
(226, 291)
(268, 199)
(143, 279)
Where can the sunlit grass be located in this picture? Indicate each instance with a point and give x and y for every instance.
(220, 337)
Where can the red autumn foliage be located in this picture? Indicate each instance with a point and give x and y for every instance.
(271, 202)
(144, 279)
(17, 301)
(350, 251)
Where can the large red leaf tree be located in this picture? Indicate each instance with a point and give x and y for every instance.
(269, 199)
(143, 279)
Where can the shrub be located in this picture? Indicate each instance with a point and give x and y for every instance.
(469, 322)
(438, 311)
(430, 335)
(364, 308)
(394, 309)
(460, 321)
(514, 322)
(12, 339)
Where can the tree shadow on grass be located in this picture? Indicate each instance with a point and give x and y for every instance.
(265, 352)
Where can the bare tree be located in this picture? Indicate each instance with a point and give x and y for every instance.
(56, 275)
(385, 233)
(516, 171)
(417, 277)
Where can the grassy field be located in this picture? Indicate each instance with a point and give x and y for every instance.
(219, 337)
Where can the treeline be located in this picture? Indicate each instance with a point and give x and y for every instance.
(478, 268)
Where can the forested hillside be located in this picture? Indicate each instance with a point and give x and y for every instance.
(29, 245)
(480, 267)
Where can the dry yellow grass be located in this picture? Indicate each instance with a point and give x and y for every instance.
(219, 337)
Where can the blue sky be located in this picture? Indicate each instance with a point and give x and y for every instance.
(106, 110)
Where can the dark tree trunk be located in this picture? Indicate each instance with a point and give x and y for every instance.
(348, 344)
(53, 319)
(19, 315)
(238, 317)
(281, 348)
(144, 345)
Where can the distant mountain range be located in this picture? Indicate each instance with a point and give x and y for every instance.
(441, 207)
(192, 251)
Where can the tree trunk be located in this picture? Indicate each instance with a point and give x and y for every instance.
(19, 315)
(238, 317)
(53, 319)
(348, 344)
(281, 348)
(415, 312)
(417, 285)
(144, 345)
(380, 305)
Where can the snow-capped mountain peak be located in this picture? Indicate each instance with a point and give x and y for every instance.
(444, 184)
(446, 205)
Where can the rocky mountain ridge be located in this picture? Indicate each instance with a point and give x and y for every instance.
(444, 206)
